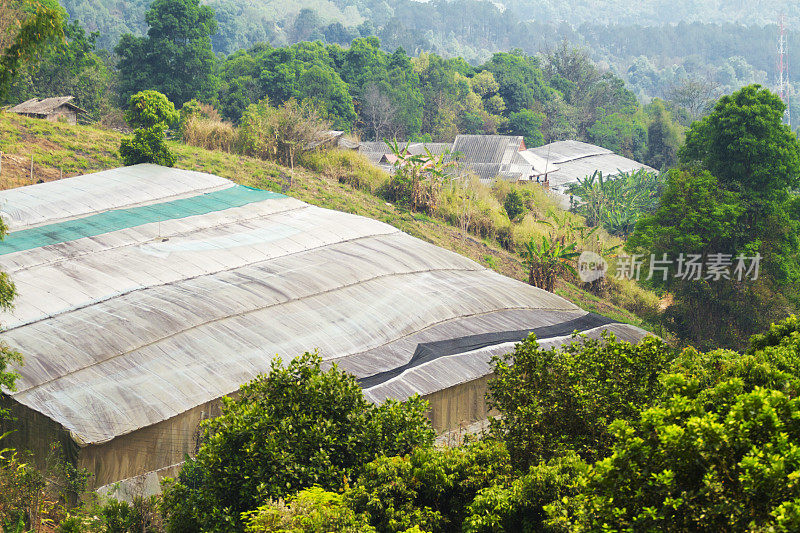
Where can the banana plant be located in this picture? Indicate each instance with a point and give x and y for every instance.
(616, 203)
(547, 260)
(417, 178)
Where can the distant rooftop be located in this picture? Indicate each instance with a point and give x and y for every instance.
(568, 161)
(34, 106)
(491, 156)
(506, 157)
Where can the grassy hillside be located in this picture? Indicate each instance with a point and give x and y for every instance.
(59, 149)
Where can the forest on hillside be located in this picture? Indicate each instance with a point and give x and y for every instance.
(656, 47)
(362, 88)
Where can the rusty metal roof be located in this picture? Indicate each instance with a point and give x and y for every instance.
(34, 106)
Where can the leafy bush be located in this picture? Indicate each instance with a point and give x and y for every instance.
(726, 460)
(151, 114)
(310, 510)
(513, 204)
(147, 109)
(430, 488)
(520, 506)
(772, 361)
(562, 399)
(297, 427)
(146, 146)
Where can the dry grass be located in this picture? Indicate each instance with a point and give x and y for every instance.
(210, 134)
(56, 148)
(346, 166)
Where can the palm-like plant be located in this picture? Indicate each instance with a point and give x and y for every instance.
(546, 260)
(616, 203)
(417, 178)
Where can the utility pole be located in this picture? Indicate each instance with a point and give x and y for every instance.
(783, 68)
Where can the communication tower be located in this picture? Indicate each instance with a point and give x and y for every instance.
(783, 67)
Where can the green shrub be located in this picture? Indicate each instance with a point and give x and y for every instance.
(513, 204)
(430, 488)
(311, 510)
(147, 109)
(151, 113)
(147, 146)
(520, 506)
(297, 427)
(562, 399)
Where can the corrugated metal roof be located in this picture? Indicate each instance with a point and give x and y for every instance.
(124, 329)
(573, 160)
(489, 156)
(34, 106)
(486, 149)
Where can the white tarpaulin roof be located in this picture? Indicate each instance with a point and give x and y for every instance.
(146, 291)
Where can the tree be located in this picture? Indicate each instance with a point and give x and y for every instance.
(70, 66)
(8, 356)
(663, 137)
(622, 133)
(279, 134)
(695, 95)
(306, 26)
(175, 58)
(744, 143)
(323, 86)
(417, 179)
(521, 82)
(294, 428)
(719, 459)
(698, 217)
(617, 202)
(42, 28)
(738, 205)
(151, 113)
(528, 124)
(546, 261)
(304, 72)
(513, 204)
(562, 399)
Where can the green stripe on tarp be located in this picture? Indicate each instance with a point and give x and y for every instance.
(119, 219)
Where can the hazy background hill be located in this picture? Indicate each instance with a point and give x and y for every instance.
(654, 46)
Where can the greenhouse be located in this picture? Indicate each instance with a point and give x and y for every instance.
(145, 294)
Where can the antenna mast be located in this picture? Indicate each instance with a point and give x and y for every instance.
(783, 67)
